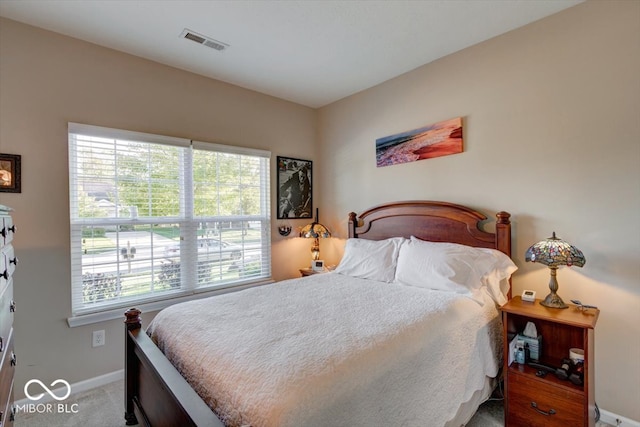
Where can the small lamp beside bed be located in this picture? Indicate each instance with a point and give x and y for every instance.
(314, 231)
(554, 252)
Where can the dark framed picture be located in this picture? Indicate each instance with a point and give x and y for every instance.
(9, 173)
(294, 188)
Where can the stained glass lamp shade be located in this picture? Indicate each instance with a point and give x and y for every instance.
(315, 231)
(554, 252)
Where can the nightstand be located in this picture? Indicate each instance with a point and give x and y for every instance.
(309, 271)
(532, 400)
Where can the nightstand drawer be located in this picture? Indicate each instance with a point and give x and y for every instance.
(532, 402)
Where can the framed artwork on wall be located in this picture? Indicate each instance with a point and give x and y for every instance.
(436, 140)
(10, 173)
(294, 188)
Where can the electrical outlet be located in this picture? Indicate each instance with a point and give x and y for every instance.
(98, 338)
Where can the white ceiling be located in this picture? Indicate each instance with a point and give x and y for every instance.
(309, 52)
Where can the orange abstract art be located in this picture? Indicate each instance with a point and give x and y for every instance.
(440, 139)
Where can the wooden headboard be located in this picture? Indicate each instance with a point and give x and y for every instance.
(432, 221)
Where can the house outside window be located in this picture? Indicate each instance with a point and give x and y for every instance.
(157, 219)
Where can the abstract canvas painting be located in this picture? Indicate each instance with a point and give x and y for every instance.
(440, 139)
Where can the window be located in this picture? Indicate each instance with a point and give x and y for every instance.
(156, 218)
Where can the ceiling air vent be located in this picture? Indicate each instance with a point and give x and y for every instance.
(203, 40)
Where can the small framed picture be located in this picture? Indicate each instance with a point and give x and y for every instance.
(317, 265)
(294, 188)
(10, 173)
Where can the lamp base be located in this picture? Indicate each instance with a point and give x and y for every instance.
(553, 300)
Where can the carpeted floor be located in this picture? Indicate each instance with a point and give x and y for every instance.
(99, 407)
(104, 407)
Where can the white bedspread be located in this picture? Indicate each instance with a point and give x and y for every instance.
(329, 350)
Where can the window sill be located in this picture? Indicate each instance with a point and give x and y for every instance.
(118, 313)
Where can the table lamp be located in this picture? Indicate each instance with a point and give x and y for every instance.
(554, 252)
(314, 231)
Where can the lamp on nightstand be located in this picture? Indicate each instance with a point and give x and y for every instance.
(554, 252)
(314, 231)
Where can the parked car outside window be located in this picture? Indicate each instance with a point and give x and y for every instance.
(210, 249)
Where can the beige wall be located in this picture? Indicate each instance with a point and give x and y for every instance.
(552, 135)
(47, 80)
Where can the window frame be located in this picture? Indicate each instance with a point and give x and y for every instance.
(189, 288)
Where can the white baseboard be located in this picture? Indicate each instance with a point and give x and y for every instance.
(612, 419)
(78, 387)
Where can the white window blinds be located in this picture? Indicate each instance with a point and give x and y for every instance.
(155, 217)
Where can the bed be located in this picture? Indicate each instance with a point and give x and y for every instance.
(357, 346)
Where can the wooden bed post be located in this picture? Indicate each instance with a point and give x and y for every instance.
(132, 323)
(353, 223)
(503, 238)
(132, 319)
(503, 232)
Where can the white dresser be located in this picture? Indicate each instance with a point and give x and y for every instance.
(8, 262)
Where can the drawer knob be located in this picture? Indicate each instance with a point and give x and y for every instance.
(552, 411)
(12, 229)
(5, 274)
(14, 360)
(13, 261)
(1, 344)
(12, 306)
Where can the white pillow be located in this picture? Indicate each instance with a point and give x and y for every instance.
(371, 259)
(452, 267)
(497, 279)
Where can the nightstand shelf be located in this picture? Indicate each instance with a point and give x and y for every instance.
(549, 401)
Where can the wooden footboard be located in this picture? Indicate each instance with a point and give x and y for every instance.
(155, 392)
